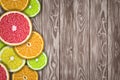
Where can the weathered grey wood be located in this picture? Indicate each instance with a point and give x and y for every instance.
(114, 39)
(50, 31)
(98, 40)
(74, 39)
(82, 39)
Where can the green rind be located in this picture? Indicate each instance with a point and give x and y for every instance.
(28, 11)
(12, 70)
(46, 60)
(1, 45)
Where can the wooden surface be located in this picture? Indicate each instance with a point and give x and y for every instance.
(82, 39)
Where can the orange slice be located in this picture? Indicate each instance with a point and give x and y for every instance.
(32, 48)
(25, 74)
(18, 5)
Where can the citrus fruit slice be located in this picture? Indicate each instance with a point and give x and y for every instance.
(11, 59)
(1, 45)
(32, 48)
(4, 75)
(18, 5)
(38, 63)
(15, 28)
(33, 8)
(25, 74)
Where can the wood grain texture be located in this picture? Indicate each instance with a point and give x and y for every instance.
(114, 39)
(98, 40)
(66, 39)
(74, 39)
(50, 24)
(82, 39)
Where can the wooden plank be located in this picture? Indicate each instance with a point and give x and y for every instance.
(114, 39)
(98, 40)
(50, 31)
(74, 39)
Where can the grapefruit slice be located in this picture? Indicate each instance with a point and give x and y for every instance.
(32, 48)
(25, 74)
(38, 63)
(4, 75)
(11, 59)
(33, 8)
(1, 45)
(15, 28)
(18, 5)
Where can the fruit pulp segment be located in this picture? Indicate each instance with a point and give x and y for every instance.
(3, 74)
(14, 28)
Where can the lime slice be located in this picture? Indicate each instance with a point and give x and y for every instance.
(1, 45)
(33, 8)
(38, 63)
(11, 59)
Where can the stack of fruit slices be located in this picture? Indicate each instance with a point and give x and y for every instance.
(21, 49)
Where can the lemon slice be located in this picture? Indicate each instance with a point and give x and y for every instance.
(11, 59)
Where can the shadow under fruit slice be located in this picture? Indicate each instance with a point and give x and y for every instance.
(17, 5)
(15, 28)
(4, 75)
(11, 59)
(38, 63)
(32, 48)
(25, 74)
(33, 8)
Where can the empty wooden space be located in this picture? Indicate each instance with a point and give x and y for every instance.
(82, 39)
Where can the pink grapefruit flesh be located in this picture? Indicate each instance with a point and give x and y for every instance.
(3, 72)
(15, 28)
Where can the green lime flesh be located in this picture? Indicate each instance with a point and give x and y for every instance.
(38, 63)
(33, 8)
